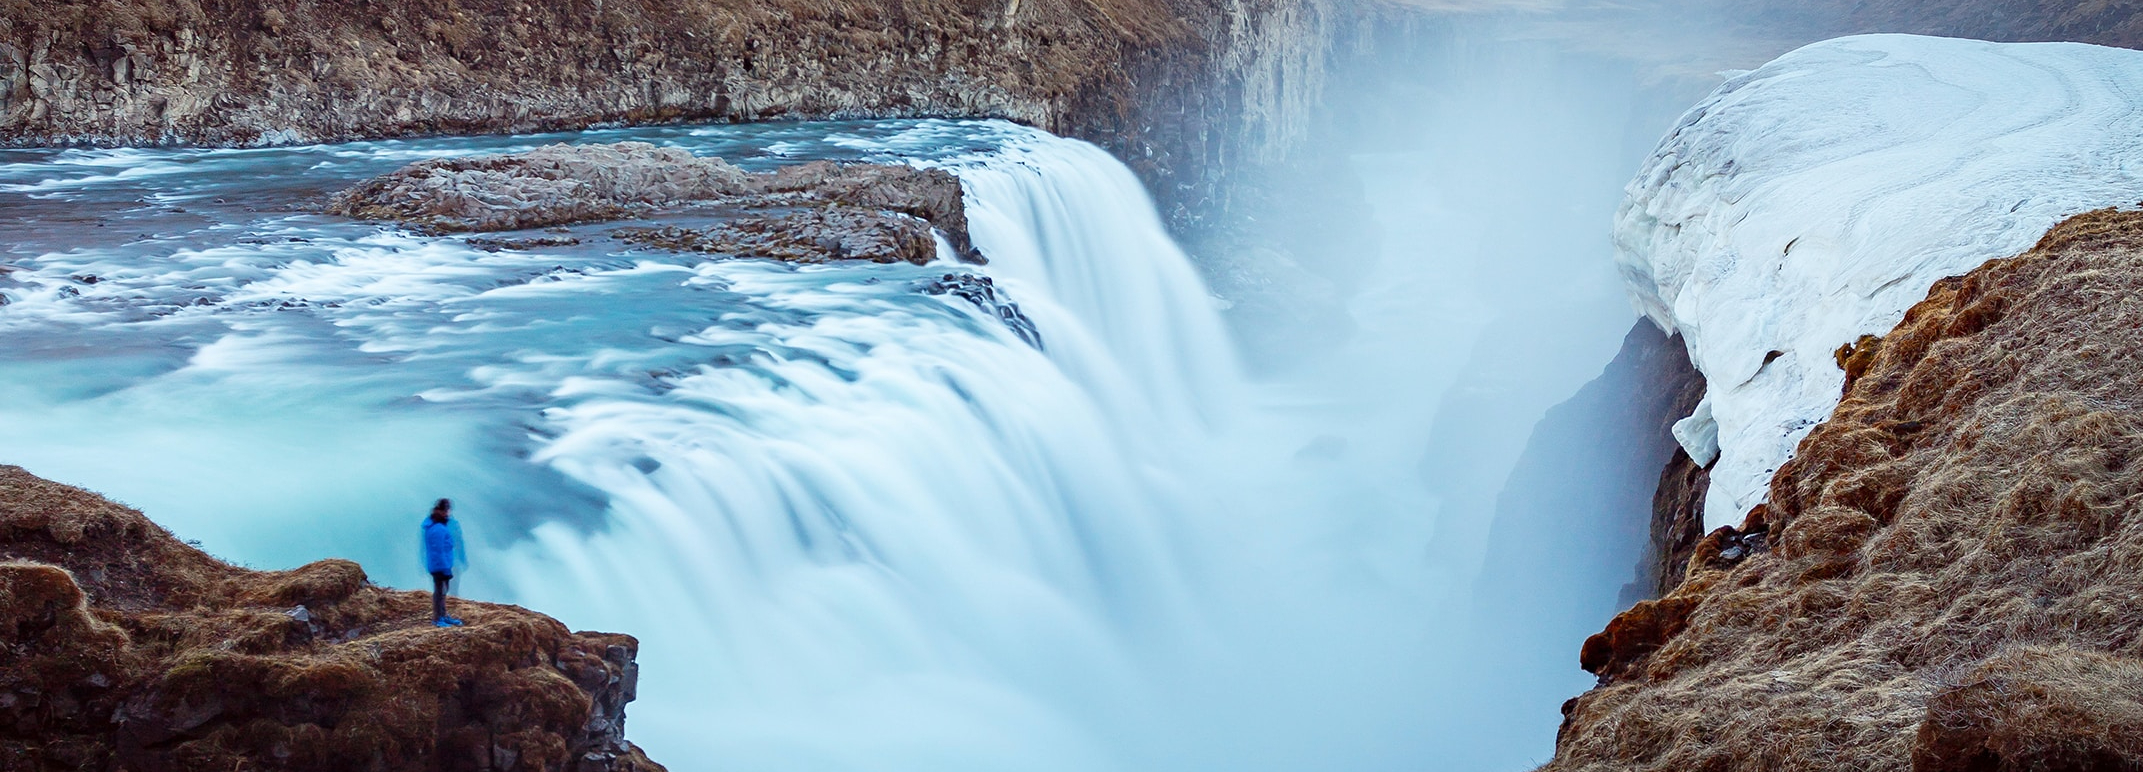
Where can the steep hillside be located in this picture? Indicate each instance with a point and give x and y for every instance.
(127, 649)
(1946, 576)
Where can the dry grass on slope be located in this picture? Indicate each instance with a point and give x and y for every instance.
(1954, 572)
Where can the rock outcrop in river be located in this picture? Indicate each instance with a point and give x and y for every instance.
(127, 649)
(811, 213)
(1947, 572)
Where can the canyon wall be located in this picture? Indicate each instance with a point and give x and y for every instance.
(127, 649)
(1182, 90)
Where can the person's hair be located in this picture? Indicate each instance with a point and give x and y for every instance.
(439, 510)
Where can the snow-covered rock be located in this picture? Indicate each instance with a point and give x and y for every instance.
(1817, 198)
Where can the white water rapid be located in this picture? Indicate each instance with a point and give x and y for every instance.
(855, 525)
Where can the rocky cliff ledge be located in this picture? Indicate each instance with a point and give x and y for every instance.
(1946, 575)
(127, 649)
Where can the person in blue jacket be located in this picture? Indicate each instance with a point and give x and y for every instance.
(443, 553)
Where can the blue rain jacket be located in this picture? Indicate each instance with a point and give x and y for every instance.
(443, 551)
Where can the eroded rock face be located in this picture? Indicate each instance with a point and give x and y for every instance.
(811, 213)
(126, 649)
(1184, 90)
(805, 236)
(1946, 575)
(1677, 519)
(932, 195)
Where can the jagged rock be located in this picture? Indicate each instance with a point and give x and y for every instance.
(807, 236)
(855, 211)
(1677, 522)
(127, 649)
(1678, 500)
(983, 293)
(1945, 575)
(499, 245)
(931, 194)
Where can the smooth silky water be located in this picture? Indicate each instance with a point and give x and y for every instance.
(855, 526)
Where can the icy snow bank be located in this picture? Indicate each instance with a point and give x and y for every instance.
(1815, 199)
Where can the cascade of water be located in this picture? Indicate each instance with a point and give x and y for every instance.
(897, 528)
(856, 525)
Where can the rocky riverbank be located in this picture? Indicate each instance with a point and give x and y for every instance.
(128, 649)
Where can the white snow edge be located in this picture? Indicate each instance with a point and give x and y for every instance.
(1815, 199)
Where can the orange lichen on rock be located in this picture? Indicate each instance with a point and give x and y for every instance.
(1949, 574)
(124, 648)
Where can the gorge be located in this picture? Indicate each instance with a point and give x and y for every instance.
(1089, 386)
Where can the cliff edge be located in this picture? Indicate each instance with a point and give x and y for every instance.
(1945, 576)
(127, 649)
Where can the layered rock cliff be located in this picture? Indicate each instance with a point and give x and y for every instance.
(127, 649)
(1183, 90)
(1947, 574)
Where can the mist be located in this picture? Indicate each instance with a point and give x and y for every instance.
(1486, 343)
(858, 526)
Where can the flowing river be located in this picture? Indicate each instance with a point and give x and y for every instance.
(856, 525)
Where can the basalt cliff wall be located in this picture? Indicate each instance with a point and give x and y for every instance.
(1183, 90)
(123, 648)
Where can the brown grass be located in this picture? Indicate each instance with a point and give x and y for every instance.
(1954, 577)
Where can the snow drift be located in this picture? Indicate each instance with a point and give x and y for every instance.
(1813, 200)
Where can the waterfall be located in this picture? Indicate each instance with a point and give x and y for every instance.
(886, 527)
(856, 525)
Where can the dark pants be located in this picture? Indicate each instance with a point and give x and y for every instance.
(439, 582)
